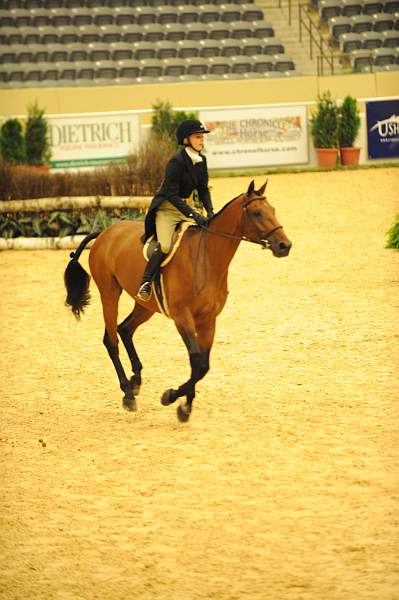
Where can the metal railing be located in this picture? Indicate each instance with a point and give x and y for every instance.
(317, 44)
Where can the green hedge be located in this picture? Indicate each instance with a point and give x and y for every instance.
(62, 223)
(393, 235)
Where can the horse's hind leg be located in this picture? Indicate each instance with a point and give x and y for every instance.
(110, 299)
(126, 329)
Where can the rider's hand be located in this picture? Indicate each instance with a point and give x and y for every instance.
(210, 214)
(200, 219)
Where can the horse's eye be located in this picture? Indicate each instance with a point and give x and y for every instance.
(257, 213)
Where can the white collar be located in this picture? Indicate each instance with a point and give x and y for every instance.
(195, 156)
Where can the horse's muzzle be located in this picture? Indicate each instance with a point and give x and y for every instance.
(281, 248)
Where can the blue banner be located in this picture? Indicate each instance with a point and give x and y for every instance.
(383, 128)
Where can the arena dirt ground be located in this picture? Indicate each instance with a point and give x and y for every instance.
(283, 485)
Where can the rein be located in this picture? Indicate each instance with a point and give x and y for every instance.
(264, 242)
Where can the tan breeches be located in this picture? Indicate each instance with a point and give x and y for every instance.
(166, 219)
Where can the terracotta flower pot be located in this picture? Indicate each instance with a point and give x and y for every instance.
(350, 156)
(327, 157)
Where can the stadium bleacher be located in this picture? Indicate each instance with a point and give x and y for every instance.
(366, 30)
(103, 42)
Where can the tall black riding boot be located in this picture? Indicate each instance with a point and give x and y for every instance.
(151, 269)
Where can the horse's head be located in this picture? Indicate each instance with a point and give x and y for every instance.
(260, 223)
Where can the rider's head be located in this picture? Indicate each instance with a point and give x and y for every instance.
(191, 133)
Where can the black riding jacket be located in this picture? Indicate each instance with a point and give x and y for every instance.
(181, 178)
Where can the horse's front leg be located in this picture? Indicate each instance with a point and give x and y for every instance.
(198, 337)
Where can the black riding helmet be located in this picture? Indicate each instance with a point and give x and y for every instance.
(189, 127)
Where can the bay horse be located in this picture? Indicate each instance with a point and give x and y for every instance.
(195, 284)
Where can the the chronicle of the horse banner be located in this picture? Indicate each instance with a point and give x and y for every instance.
(194, 284)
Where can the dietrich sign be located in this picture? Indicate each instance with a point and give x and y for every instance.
(92, 139)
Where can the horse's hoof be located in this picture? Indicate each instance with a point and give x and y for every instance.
(167, 398)
(130, 404)
(183, 413)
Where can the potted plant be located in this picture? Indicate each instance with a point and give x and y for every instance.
(37, 140)
(324, 130)
(348, 128)
(12, 144)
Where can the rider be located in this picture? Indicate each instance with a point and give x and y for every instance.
(183, 196)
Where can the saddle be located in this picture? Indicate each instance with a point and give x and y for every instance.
(157, 282)
(150, 244)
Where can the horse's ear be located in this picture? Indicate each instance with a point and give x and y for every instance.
(262, 189)
(251, 188)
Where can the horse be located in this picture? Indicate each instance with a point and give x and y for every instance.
(194, 283)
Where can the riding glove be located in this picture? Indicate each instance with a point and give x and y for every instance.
(200, 219)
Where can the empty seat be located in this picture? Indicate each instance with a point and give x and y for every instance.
(167, 14)
(241, 29)
(143, 50)
(253, 46)
(7, 20)
(125, 16)
(262, 29)
(196, 31)
(31, 35)
(85, 70)
(188, 14)
(174, 33)
(99, 51)
(58, 52)
(230, 13)
(103, 16)
(231, 47)
(16, 75)
(340, 25)
(121, 51)
(209, 48)
(329, 9)
(50, 75)
(391, 6)
(166, 49)
(350, 41)
(197, 66)
(272, 46)
(187, 48)
(371, 40)
(242, 64)
(81, 17)
(61, 17)
(128, 69)
(174, 67)
(78, 52)
(263, 63)
(19, 18)
(110, 34)
(154, 32)
(282, 62)
(33, 75)
(390, 39)
(361, 61)
(350, 8)
(251, 12)
(361, 23)
(219, 65)
(131, 33)
(34, 53)
(209, 14)
(89, 34)
(383, 22)
(47, 35)
(371, 7)
(105, 75)
(151, 67)
(384, 56)
(68, 35)
(218, 30)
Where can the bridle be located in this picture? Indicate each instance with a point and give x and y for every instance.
(264, 241)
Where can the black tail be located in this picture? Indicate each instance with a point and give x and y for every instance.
(77, 280)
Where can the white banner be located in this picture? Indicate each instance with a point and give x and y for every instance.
(92, 139)
(254, 137)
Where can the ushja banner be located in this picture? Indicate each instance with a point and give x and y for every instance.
(253, 137)
(92, 139)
